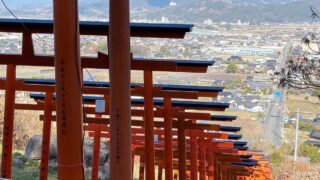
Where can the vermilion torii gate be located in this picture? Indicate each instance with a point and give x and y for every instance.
(184, 145)
(34, 85)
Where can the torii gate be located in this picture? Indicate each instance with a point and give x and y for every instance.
(69, 91)
(69, 106)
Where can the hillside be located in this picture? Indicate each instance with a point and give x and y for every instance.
(218, 10)
(232, 11)
(189, 10)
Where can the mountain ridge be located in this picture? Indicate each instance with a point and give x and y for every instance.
(255, 11)
(233, 10)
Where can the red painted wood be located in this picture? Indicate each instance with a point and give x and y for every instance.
(46, 134)
(120, 77)
(149, 125)
(96, 150)
(7, 136)
(68, 90)
(182, 149)
(168, 132)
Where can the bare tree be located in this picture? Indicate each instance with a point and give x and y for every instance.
(301, 73)
(315, 13)
(304, 72)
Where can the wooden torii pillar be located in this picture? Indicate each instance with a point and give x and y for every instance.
(96, 143)
(120, 110)
(8, 122)
(46, 133)
(68, 90)
(10, 89)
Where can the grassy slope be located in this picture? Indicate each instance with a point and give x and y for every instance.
(312, 105)
(29, 173)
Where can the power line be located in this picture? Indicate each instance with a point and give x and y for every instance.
(45, 42)
(23, 25)
(37, 36)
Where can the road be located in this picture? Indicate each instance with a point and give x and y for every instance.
(273, 121)
(274, 124)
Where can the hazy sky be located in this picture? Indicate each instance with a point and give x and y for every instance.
(26, 1)
(23, 2)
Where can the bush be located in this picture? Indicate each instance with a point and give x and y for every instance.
(19, 155)
(310, 151)
(33, 163)
(26, 125)
(305, 126)
(232, 68)
(288, 125)
(276, 158)
(233, 84)
(316, 93)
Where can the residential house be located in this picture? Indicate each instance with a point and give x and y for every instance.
(293, 119)
(314, 138)
(235, 59)
(316, 121)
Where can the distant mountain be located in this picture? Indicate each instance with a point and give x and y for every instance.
(189, 10)
(151, 3)
(233, 10)
(161, 3)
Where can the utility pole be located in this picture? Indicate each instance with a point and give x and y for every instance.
(296, 138)
(295, 157)
(266, 113)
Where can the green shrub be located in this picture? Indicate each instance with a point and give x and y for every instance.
(276, 158)
(232, 68)
(33, 163)
(310, 151)
(23, 157)
(305, 126)
(16, 154)
(288, 125)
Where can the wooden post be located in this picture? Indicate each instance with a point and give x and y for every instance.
(27, 51)
(160, 169)
(202, 161)
(182, 149)
(210, 163)
(141, 168)
(46, 134)
(175, 175)
(133, 159)
(194, 155)
(168, 139)
(120, 110)
(68, 90)
(215, 166)
(219, 173)
(96, 150)
(7, 136)
(149, 126)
